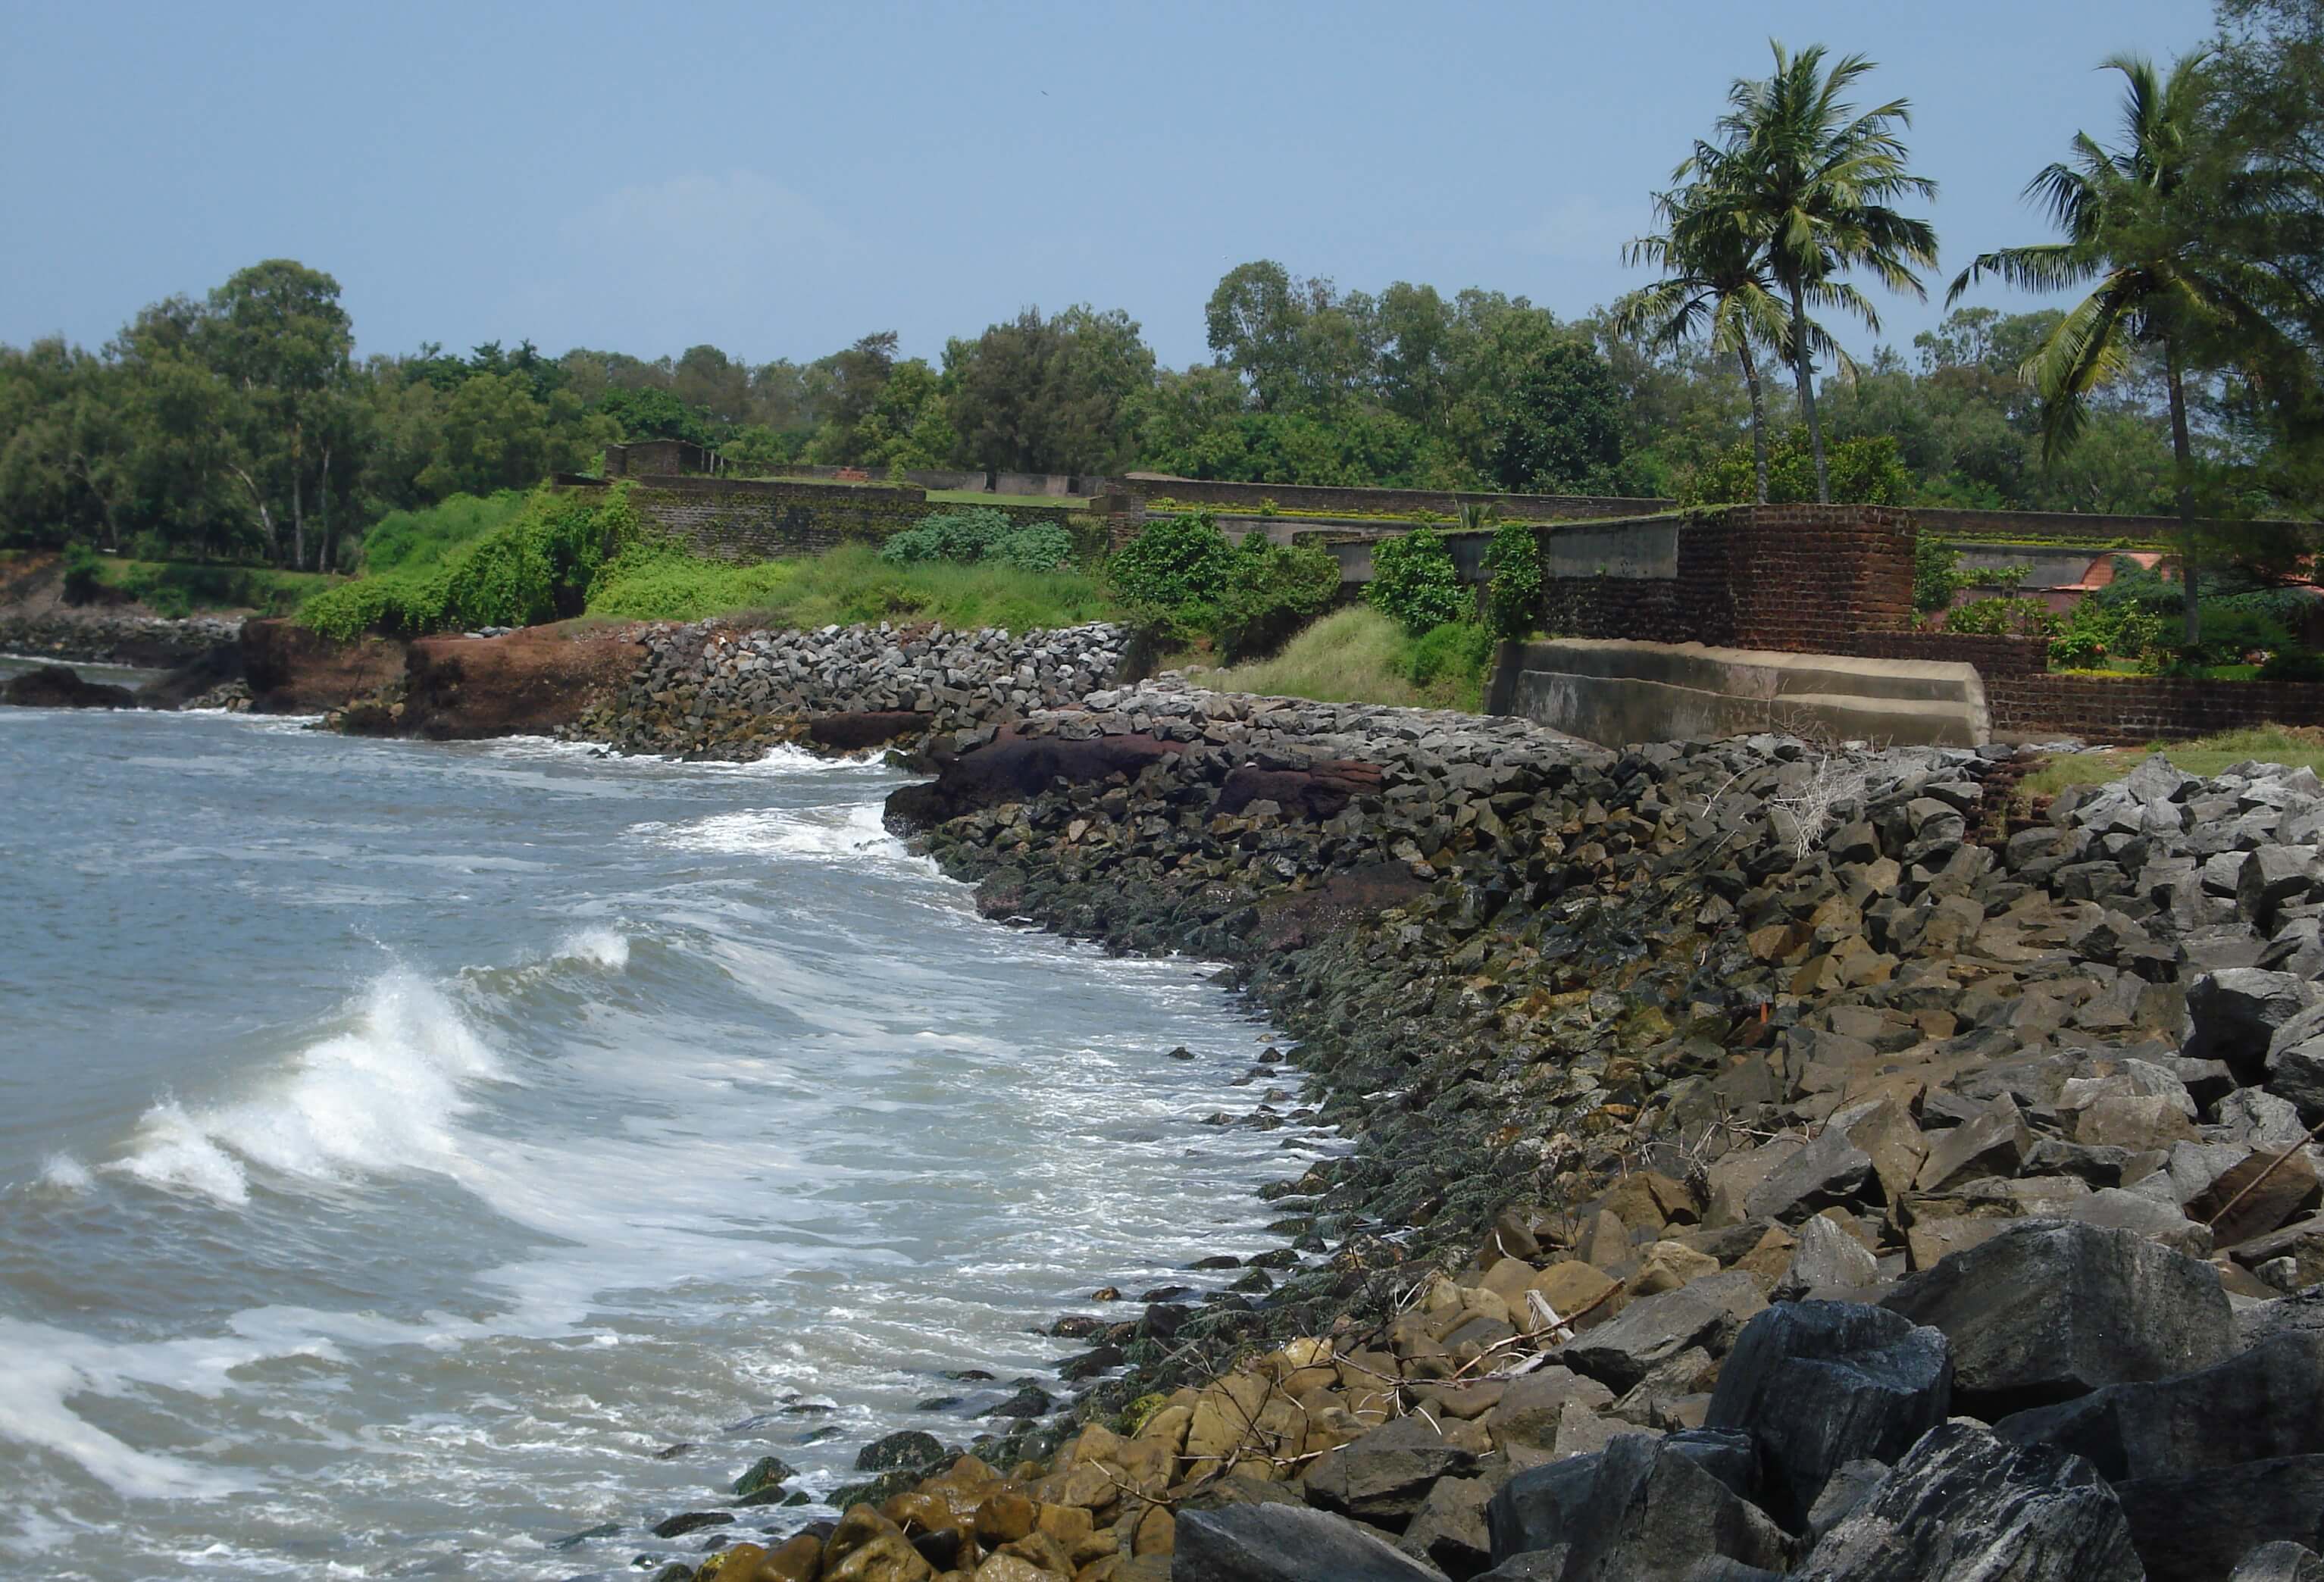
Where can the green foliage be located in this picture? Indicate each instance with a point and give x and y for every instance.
(2096, 631)
(2293, 664)
(654, 581)
(1172, 564)
(536, 567)
(1557, 425)
(1864, 471)
(1458, 650)
(1513, 603)
(1035, 546)
(648, 413)
(1358, 655)
(1273, 590)
(406, 540)
(1415, 582)
(2003, 617)
(964, 536)
(1936, 573)
(84, 579)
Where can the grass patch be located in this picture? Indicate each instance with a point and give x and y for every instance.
(414, 540)
(1359, 655)
(2291, 746)
(844, 586)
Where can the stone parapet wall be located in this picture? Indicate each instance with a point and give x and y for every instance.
(757, 519)
(1799, 578)
(2145, 708)
(1993, 657)
(1332, 500)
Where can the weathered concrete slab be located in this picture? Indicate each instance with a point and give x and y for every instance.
(1618, 692)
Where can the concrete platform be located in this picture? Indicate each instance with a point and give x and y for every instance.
(1616, 692)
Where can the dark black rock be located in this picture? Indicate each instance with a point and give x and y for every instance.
(1285, 1543)
(2049, 1309)
(1640, 1508)
(686, 1522)
(58, 686)
(1030, 1400)
(1383, 1477)
(1821, 1383)
(2200, 1524)
(1090, 1362)
(2264, 1402)
(1962, 1504)
(2280, 1562)
(202, 673)
(2232, 1014)
(575, 1539)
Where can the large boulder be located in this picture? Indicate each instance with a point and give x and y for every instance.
(59, 686)
(1641, 1510)
(1964, 1505)
(2049, 1310)
(1014, 767)
(1286, 1543)
(1383, 1477)
(1654, 1329)
(2233, 1013)
(2264, 1402)
(2280, 1562)
(1822, 1382)
(2197, 1526)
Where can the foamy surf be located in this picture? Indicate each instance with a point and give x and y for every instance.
(377, 1098)
(846, 833)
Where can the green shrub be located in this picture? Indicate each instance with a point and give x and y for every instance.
(1457, 651)
(1415, 582)
(1936, 573)
(84, 575)
(2293, 664)
(408, 540)
(1513, 561)
(964, 535)
(1272, 590)
(2096, 632)
(2005, 617)
(1172, 564)
(536, 567)
(1036, 547)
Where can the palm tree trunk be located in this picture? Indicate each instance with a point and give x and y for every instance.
(1759, 420)
(1803, 366)
(2182, 457)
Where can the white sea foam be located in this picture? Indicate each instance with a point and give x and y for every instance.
(379, 1096)
(837, 833)
(65, 1173)
(596, 947)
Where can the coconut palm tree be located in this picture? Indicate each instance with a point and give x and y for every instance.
(1816, 181)
(1716, 286)
(2133, 224)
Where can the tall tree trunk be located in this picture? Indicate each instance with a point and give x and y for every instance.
(323, 514)
(1759, 420)
(1802, 366)
(298, 504)
(2182, 457)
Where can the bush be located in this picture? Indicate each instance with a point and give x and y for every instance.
(1936, 573)
(1457, 651)
(408, 540)
(1036, 547)
(966, 537)
(83, 581)
(2096, 632)
(1415, 582)
(537, 567)
(2003, 617)
(2293, 664)
(1513, 604)
(1273, 591)
(1172, 564)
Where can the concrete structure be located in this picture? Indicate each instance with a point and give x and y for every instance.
(1617, 691)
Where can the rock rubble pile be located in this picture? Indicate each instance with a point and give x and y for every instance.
(714, 690)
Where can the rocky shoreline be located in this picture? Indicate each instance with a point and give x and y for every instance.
(1770, 1158)
(85, 637)
(1770, 1163)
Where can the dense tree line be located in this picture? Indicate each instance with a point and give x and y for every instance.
(242, 425)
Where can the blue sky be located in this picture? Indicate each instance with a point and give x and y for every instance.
(780, 178)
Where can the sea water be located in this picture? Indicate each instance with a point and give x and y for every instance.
(402, 1144)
